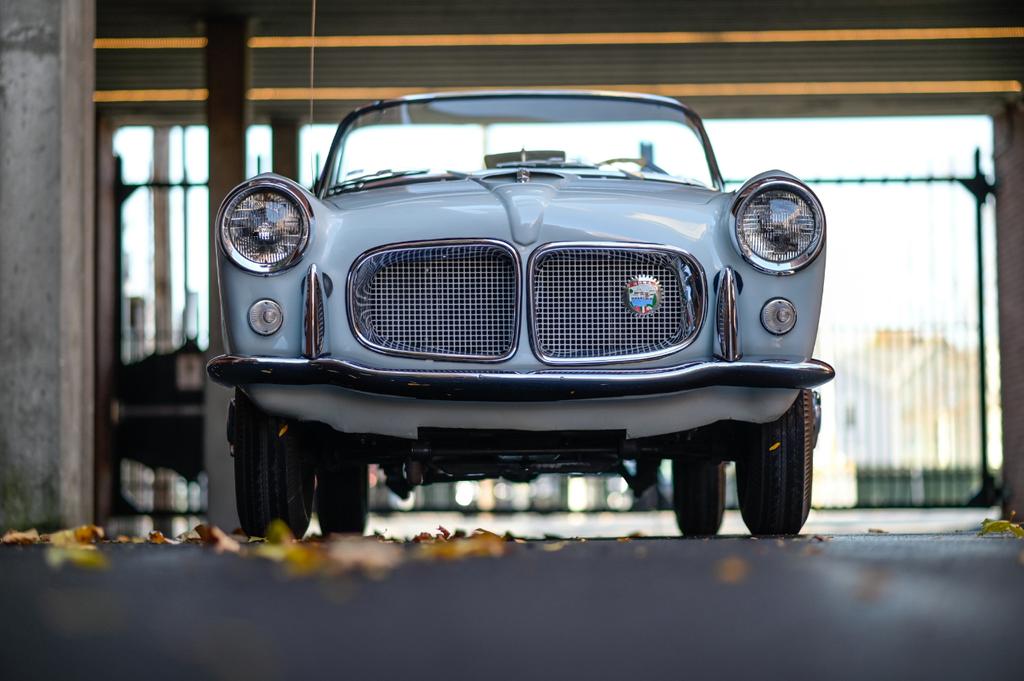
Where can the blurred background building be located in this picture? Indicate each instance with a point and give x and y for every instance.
(123, 123)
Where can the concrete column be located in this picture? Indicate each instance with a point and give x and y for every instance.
(1009, 158)
(285, 144)
(227, 78)
(46, 262)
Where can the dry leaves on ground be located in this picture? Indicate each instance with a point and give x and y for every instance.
(211, 535)
(477, 545)
(20, 537)
(81, 555)
(83, 534)
(157, 537)
(1002, 527)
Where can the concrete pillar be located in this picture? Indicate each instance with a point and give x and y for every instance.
(227, 77)
(285, 142)
(46, 262)
(1009, 158)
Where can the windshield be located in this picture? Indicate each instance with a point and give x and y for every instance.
(587, 134)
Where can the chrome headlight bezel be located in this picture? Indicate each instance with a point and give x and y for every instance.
(290, 191)
(748, 193)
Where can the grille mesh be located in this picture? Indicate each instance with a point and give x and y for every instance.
(448, 300)
(579, 305)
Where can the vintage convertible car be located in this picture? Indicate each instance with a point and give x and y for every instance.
(508, 284)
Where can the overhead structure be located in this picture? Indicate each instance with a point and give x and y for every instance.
(732, 59)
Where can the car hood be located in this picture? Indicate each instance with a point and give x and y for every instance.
(547, 206)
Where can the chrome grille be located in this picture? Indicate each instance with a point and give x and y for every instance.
(456, 300)
(580, 311)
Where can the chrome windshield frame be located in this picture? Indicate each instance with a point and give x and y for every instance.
(691, 116)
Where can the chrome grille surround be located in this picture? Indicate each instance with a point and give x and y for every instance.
(453, 299)
(578, 312)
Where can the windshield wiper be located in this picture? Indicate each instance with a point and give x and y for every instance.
(356, 183)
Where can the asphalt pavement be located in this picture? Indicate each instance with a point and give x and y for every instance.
(845, 607)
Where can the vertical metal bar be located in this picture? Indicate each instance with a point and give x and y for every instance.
(980, 188)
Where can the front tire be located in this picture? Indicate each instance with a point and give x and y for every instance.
(773, 474)
(342, 499)
(274, 471)
(698, 496)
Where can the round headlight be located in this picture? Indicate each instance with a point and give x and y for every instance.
(780, 226)
(264, 226)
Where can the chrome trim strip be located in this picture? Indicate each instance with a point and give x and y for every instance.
(700, 302)
(410, 245)
(743, 197)
(285, 186)
(314, 319)
(548, 385)
(727, 331)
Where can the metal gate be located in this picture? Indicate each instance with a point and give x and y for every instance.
(908, 322)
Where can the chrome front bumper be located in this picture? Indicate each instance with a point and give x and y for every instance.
(546, 385)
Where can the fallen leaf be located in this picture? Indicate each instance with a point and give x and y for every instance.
(479, 544)
(774, 446)
(1001, 527)
(125, 539)
(553, 546)
(624, 539)
(373, 558)
(822, 537)
(731, 570)
(875, 530)
(282, 430)
(84, 556)
(215, 537)
(300, 559)
(445, 534)
(157, 537)
(20, 537)
(190, 537)
(278, 532)
(83, 534)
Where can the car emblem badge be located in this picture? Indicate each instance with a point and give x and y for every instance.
(643, 295)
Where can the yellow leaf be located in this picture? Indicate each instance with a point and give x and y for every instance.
(774, 446)
(17, 537)
(282, 430)
(278, 532)
(83, 534)
(157, 537)
(82, 556)
(1001, 527)
(480, 544)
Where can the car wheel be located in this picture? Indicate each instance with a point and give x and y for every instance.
(698, 496)
(274, 472)
(773, 475)
(341, 499)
